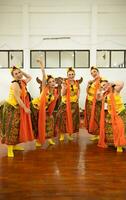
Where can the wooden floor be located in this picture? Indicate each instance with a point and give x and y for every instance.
(77, 170)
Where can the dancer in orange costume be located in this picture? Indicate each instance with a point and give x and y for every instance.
(43, 108)
(67, 118)
(112, 124)
(92, 105)
(16, 126)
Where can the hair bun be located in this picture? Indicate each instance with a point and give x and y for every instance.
(70, 69)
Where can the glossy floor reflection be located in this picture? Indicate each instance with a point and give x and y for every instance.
(77, 170)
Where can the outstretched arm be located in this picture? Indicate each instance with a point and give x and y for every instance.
(43, 72)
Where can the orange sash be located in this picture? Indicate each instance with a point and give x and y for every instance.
(101, 142)
(42, 114)
(26, 132)
(117, 125)
(92, 121)
(69, 124)
(85, 115)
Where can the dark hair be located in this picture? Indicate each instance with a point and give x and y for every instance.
(113, 86)
(49, 77)
(103, 80)
(93, 67)
(13, 68)
(70, 69)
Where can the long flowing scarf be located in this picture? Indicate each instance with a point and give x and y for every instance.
(26, 132)
(42, 113)
(85, 115)
(92, 119)
(117, 125)
(69, 123)
(101, 142)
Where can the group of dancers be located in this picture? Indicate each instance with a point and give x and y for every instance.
(24, 119)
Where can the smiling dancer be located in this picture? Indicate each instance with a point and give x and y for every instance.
(15, 122)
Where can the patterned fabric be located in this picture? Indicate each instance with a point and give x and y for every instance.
(10, 124)
(49, 123)
(108, 127)
(34, 119)
(61, 118)
(97, 115)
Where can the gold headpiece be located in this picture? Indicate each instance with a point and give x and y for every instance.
(48, 77)
(70, 69)
(14, 67)
(94, 67)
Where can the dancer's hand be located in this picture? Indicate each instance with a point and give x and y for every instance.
(40, 62)
(27, 110)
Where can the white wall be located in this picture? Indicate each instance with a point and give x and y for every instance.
(96, 24)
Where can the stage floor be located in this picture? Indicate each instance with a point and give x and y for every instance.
(77, 170)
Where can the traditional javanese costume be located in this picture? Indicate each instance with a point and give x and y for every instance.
(16, 126)
(42, 114)
(67, 117)
(92, 108)
(113, 124)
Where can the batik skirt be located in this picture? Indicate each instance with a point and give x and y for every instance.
(96, 116)
(61, 118)
(109, 139)
(49, 123)
(9, 124)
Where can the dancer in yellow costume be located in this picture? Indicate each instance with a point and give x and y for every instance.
(92, 105)
(112, 124)
(43, 108)
(67, 117)
(15, 121)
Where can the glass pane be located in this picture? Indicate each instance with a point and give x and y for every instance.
(16, 58)
(125, 59)
(37, 55)
(81, 59)
(3, 59)
(52, 59)
(103, 59)
(117, 59)
(67, 59)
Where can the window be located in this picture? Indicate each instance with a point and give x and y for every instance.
(8, 58)
(61, 58)
(117, 59)
(52, 59)
(34, 56)
(67, 59)
(81, 59)
(103, 58)
(111, 58)
(3, 59)
(16, 58)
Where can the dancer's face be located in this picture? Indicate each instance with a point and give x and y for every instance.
(105, 85)
(17, 74)
(94, 73)
(71, 75)
(51, 83)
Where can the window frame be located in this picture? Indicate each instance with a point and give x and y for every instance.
(110, 58)
(8, 54)
(61, 50)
